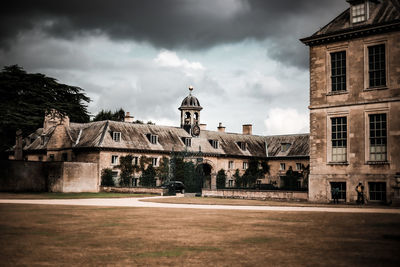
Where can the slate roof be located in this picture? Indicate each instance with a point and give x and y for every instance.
(385, 16)
(98, 135)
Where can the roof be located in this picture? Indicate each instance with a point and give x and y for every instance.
(134, 137)
(384, 16)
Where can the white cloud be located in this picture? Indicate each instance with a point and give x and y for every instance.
(168, 58)
(286, 121)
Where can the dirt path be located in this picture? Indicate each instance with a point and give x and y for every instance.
(136, 202)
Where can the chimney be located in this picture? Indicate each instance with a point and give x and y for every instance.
(203, 126)
(18, 145)
(221, 128)
(128, 117)
(247, 129)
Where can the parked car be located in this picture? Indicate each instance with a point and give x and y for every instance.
(178, 186)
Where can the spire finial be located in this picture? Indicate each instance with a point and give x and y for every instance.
(190, 90)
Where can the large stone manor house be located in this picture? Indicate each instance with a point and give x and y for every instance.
(105, 142)
(355, 103)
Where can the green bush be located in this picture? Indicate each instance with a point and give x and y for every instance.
(221, 179)
(107, 177)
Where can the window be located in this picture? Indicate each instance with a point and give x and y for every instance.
(377, 137)
(230, 165)
(258, 182)
(377, 191)
(285, 147)
(116, 136)
(187, 141)
(298, 167)
(214, 143)
(135, 161)
(282, 167)
(377, 65)
(230, 183)
(40, 158)
(245, 165)
(51, 157)
(114, 160)
(342, 189)
(154, 161)
(114, 175)
(242, 145)
(358, 13)
(338, 71)
(339, 139)
(152, 138)
(64, 157)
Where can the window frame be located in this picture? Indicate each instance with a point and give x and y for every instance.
(231, 165)
(282, 166)
(329, 150)
(342, 69)
(367, 113)
(328, 71)
(364, 6)
(368, 44)
(116, 161)
(297, 166)
(154, 161)
(214, 143)
(245, 165)
(116, 136)
(373, 193)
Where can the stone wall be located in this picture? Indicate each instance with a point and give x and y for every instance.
(135, 190)
(36, 176)
(256, 194)
(18, 176)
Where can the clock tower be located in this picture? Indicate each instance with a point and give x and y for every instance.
(190, 114)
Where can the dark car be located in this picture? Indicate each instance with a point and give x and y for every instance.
(178, 186)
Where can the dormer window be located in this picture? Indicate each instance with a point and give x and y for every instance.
(152, 138)
(214, 143)
(187, 141)
(117, 136)
(285, 147)
(358, 12)
(242, 145)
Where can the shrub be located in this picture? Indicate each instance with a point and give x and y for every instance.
(221, 179)
(107, 177)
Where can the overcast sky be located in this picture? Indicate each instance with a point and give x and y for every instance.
(243, 57)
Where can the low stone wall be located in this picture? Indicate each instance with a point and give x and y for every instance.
(135, 190)
(256, 194)
(22, 176)
(57, 176)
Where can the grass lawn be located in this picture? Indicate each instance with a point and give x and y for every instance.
(78, 235)
(68, 195)
(249, 202)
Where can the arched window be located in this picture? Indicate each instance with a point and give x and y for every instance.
(187, 118)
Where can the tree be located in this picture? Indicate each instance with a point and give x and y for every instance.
(238, 179)
(163, 170)
(107, 177)
(221, 179)
(148, 177)
(255, 171)
(25, 98)
(291, 178)
(127, 170)
(103, 115)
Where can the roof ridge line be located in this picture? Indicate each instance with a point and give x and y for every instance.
(103, 134)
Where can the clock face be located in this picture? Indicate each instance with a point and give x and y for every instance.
(196, 130)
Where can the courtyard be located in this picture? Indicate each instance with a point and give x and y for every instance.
(99, 235)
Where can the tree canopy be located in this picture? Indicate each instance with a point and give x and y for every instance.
(25, 98)
(104, 115)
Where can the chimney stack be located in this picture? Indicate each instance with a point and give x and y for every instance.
(18, 145)
(203, 126)
(221, 128)
(128, 117)
(247, 129)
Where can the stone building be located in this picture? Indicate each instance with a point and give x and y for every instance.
(104, 142)
(355, 103)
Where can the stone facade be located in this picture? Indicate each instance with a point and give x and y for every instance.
(105, 142)
(352, 161)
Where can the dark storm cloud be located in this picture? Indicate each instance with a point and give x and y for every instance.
(171, 24)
